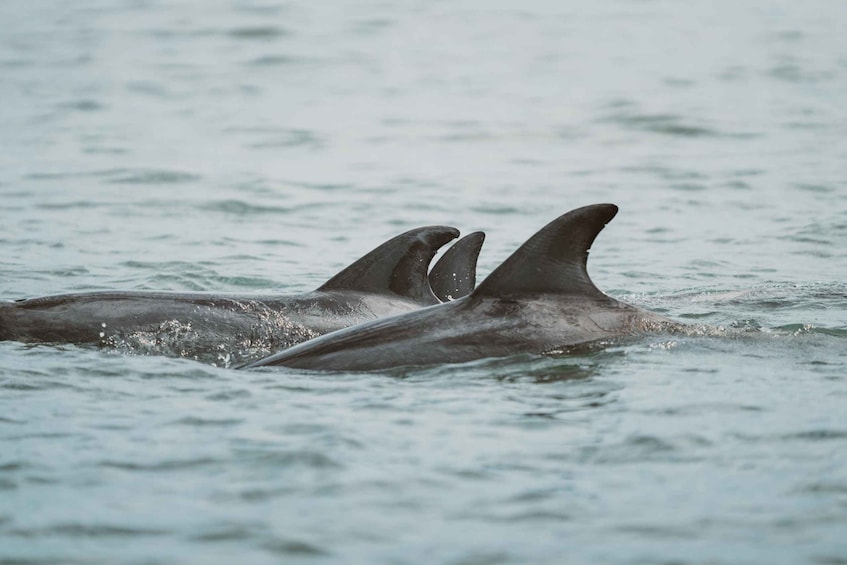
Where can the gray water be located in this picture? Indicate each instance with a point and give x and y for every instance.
(262, 146)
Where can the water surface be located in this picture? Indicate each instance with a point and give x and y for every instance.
(262, 146)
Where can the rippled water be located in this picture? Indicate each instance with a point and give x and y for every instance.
(261, 146)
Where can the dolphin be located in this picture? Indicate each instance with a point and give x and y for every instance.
(454, 275)
(234, 328)
(540, 300)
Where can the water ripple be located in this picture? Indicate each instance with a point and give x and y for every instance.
(243, 208)
(288, 458)
(282, 60)
(169, 465)
(152, 176)
(293, 547)
(290, 137)
(262, 33)
(195, 421)
(76, 530)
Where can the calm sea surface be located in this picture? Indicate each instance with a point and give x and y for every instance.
(262, 146)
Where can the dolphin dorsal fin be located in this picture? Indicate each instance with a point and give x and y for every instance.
(398, 266)
(553, 260)
(454, 275)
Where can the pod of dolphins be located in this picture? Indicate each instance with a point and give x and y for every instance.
(385, 310)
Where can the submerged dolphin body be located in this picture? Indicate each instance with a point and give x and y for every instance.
(389, 280)
(540, 300)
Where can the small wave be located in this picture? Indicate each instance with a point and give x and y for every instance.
(806, 329)
(262, 494)
(659, 531)
(263, 33)
(229, 395)
(827, 488)
(152, 176)
(280, 60)
(815, 435)
(372, 25)
(72, 205)
(252, 283)
(31, 384)
(150, 88)
(88, 530)
(194, 421)
(242, 208)
(704, 407)
(261, 137)
(639, 448)
(293, 547)
(289, 458)
(496, 210)
(60, 175)
(83, 105)
(225, 532)
(668, 124)
(169, 465)
(816, 188)
(794, 72)
(170, 275)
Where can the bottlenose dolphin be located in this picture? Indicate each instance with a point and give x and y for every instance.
(234, 328)
(540, 300)
(454, 275)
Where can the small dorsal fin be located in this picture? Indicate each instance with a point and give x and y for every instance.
(552, 261)
(398, 266)
(454, 275)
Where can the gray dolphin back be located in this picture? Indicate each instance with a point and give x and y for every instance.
(553, 261)
(546, 275)
(454, 275)
(398, 266)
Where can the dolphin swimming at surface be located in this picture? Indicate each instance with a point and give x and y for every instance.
(234, 328)
(540, 300)
(454, 274)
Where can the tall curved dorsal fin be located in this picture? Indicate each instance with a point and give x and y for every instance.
(398, 266)
(552, 261)
(454, 275)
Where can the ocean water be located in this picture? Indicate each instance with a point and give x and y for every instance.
(230, 146)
